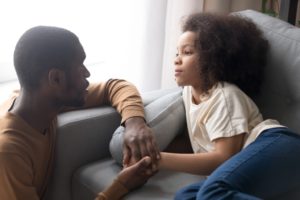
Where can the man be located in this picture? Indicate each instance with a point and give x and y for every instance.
(49, 65)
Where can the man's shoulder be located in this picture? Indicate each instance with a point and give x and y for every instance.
(7, 122)
(6, 105)
(9, 144)
(12, 153)
(8, 139)
(11, 140)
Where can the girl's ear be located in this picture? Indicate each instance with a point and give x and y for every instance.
(56, 77)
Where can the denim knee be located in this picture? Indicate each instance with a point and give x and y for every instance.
(189, 192)
(220, 190)
(208, 191)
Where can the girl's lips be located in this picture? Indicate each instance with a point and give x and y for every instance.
(177, 72)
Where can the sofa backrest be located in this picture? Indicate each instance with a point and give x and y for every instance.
(280, 94)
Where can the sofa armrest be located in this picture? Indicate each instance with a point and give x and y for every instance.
(83, 136)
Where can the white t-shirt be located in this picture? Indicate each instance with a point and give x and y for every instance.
(225, 111)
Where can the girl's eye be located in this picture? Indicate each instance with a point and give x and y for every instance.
(187, 52)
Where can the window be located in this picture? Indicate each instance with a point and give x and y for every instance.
(110, 32)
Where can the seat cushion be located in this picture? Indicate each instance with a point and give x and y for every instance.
(95, 177)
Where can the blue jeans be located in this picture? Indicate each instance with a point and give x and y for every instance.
(266, 168)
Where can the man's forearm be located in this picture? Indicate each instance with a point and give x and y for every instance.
(125, 97)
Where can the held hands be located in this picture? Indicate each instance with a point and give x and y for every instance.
(137, 174)
(139, 142)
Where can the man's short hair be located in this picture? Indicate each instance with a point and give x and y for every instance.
(41, 48)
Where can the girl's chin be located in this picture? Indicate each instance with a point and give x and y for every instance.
(180, 84)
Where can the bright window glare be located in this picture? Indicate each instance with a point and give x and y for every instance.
(109, 31)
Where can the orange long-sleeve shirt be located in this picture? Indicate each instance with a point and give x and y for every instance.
(26, 156)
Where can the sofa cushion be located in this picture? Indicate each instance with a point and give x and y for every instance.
(166, 117)
(163, 185)
(280, 94)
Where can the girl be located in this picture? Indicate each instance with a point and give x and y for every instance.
(220, 63)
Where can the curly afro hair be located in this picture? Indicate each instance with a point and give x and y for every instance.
(231, 48)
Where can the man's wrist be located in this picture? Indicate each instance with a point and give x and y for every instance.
(133, 121)
(115, 191)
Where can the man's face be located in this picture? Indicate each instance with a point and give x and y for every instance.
(76, 81)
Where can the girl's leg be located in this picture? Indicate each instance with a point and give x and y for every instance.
(189, 192)
(265, 169)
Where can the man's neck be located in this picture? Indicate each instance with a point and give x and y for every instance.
(35, 109)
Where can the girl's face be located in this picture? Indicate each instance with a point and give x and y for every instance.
(187, 61)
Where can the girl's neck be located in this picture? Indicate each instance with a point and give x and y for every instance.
(196, 94)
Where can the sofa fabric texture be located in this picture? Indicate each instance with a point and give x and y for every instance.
(83, 164)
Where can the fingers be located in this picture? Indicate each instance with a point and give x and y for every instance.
(132, 143)
(126, 156)
(136, 152)
(153, 152)
(144, 167)
(146, 145)
(145, 162)
(140, 142)
(136, 175)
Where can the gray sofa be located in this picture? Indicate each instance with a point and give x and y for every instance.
(83, 164)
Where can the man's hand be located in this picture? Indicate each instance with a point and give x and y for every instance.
(137, 174)
(139, 142)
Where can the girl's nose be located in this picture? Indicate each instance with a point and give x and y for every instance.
(177, 59)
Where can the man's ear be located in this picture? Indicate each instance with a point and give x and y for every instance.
(56, 77)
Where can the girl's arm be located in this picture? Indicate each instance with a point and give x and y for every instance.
(203, 163)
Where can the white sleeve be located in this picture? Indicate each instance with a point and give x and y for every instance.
(229, 114)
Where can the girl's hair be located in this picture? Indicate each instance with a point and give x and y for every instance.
(231, 48)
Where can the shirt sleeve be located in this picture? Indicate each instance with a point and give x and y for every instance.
(114, 192)
(229, 115)
(120, 94)
(16, 178)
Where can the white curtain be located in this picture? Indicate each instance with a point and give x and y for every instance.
(162, 29)
(176, 10)
(130, 39)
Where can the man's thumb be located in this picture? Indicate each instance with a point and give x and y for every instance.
(145, 162)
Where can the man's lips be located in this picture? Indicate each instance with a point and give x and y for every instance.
(86, 87)
(87, 84)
